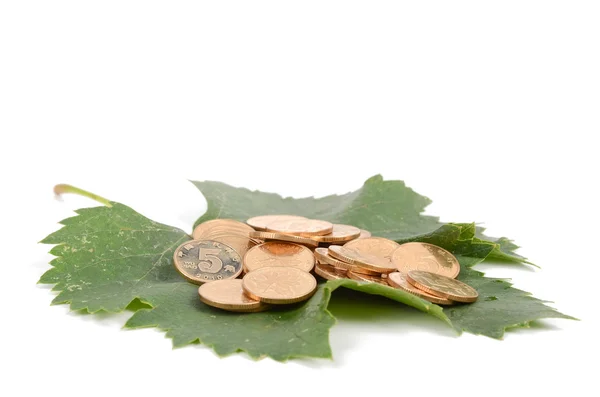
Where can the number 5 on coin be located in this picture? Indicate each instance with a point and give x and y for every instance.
(208, 260)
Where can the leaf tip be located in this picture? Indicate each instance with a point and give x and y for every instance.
(374, 178)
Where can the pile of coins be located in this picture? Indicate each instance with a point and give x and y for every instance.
(277, 255)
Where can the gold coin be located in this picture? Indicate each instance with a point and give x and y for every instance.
(301, 227)
(279, 285)
(364, 234)
(322, 254)
(284, 237)
(398, 280)
(367, 261)
(426, 257)
(275, 253)
(204, 228)
(240, 243)
(442, 286)
(368, 278)
(201, 261)
(340, 234)
(261, 222)
(229, 295)
(329, 272)
(376, 246)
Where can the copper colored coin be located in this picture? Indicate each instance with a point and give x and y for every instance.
(284, 237)
(398, 280)
(201, 261)
(426, 257)
(275, 253)
(229, 295)
(329, 272)
(367, 261)
(279, 285)
(340, 234)
(322, 254)
(229, 225)
(366, 277)
(261, 222)
(364, 234)
(376, 246)
(301, 227)
(442, 286)
(240, 243)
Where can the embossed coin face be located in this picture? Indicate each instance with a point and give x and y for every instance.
(329, 272)
(340, 234)
(229, 295)
(220, 225)
(322, 255)
(443, 286)
(261, 222)
(301, 227)
(426, 257)
(279, 285)
(271, 236)
(367, 261)
(275, 253)
(398, 280)
(201, 261)
(366, 277)
(376, 246)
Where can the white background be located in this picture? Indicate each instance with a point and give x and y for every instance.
(488, 108)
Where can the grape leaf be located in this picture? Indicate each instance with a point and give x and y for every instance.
(108, 257)
(500, 306)
(392, 210)
(281, 333)
(387, 209)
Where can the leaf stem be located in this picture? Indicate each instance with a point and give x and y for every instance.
(64, 188)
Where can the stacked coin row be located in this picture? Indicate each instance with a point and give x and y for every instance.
(300, 230)
(294, 229)
(432, 287)
(277, 260)
(422, 269)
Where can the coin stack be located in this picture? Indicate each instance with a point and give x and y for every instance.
(276, 255)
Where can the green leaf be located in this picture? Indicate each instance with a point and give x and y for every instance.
(386, 208)
(109, 257)
(392, 210)
(281, 333)
(499, 307)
